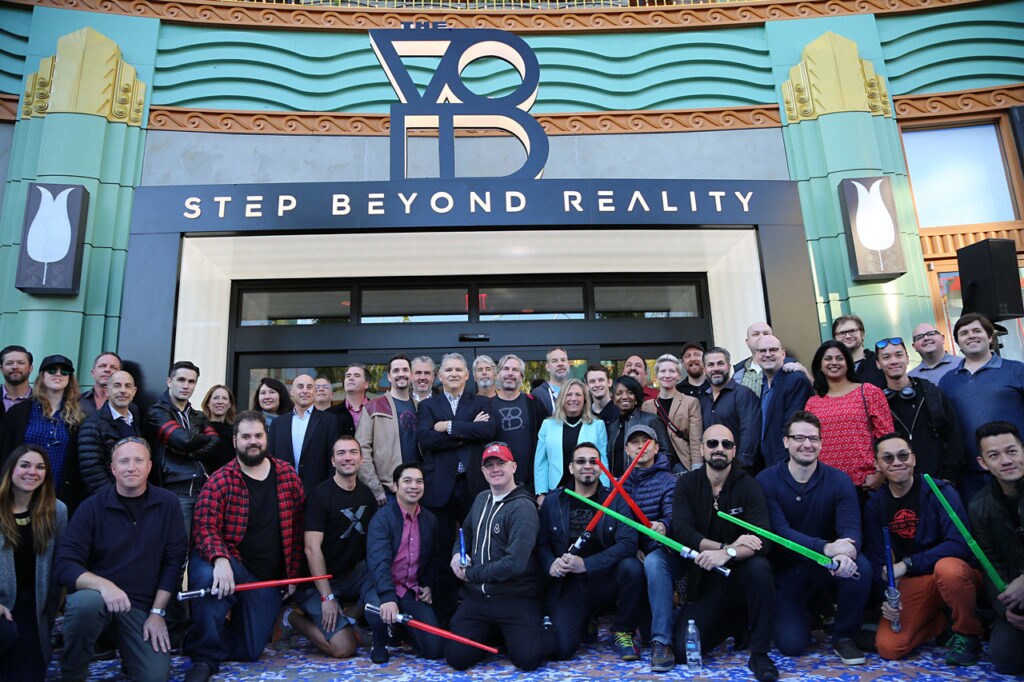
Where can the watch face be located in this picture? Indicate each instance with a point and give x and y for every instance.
(730, 551)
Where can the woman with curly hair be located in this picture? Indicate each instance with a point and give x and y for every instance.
(32, 520)
(852, 415)
(50, 418)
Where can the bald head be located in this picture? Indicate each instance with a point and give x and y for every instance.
(756, 331)
(303, 392)
(718, 446)
(121, 390)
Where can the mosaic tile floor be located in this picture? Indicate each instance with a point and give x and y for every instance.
(302, 662)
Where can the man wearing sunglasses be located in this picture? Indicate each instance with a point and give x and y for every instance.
(743, 604)
(930, 343)
(816, 506)
(921, 413)
(929, 559)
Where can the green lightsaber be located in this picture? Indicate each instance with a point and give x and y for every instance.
(990, 570)
(816, 557)
(653, 534)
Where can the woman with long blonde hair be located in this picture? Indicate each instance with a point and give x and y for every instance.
(573, 422)
(50, 418)
(32, 520)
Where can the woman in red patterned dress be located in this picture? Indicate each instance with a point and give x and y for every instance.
(852, 415)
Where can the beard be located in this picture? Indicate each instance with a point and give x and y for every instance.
(484, 384)
(717, 379)
(251, 460)
(717, 461)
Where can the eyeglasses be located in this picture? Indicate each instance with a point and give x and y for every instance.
(925, 335)
(585, 462)
(800, 438)
(64, 371)
(769, 351)
(848, 332)
(894, 341)
(901, 456)
(712, 443)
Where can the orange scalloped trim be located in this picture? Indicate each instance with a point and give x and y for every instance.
(910, 107)
(657, 18)
(318, 123)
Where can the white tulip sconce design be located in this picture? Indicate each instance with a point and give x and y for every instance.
(50, 257)
(872, 231)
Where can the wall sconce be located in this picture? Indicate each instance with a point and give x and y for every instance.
(873, 235)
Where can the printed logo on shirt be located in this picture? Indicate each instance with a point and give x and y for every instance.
(497, 527)
(355, 521)
(735, 511)
(904, 523)
(511, 418)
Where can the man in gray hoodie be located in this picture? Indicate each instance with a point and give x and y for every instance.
(500, 585)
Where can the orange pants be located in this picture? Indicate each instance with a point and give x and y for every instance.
(954, 584)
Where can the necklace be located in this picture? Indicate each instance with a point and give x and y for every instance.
(573, 425)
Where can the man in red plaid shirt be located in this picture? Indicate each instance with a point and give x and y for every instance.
(247, 527)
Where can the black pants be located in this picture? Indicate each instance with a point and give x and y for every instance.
(426, 645)
(20, 655)
(517, 618)
(449, 516)
(578, 596)
(1007, 648)
(745, 601)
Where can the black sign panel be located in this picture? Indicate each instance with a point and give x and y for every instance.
(50, 258)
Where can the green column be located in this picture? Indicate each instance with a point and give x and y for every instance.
(80, 123)
(838, 124)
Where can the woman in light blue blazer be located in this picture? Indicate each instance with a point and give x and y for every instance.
(32, 520)
(572, 423)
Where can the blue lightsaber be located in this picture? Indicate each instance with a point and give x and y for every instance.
(892, 595)
(463, 559)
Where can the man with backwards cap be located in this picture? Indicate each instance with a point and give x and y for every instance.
(500, 584)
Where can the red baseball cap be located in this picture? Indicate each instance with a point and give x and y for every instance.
(498, 450)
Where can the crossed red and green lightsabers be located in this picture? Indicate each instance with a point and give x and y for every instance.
(575, 547)
(639, 527)
(406, 619)
(990, 570)
(816, 557)
(208, 591)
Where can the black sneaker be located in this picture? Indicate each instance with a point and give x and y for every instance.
(379, 646)
(848, 652)
(763, 668)
(199, 672)
(663, 659)
(963, 649)
(625, 647)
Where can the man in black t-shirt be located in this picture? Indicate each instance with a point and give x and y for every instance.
(520, 416)
(338, 514)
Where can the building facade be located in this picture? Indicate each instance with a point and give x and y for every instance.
(250, 200)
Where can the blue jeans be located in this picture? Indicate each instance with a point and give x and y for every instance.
(796, 584)
(253, 614)
(663, 569)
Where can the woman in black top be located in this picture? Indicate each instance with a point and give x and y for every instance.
(32, 519)
(219, 408)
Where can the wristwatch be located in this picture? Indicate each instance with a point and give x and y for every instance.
(909, 564)
(731, 551)
(329, 597)
(159, 612)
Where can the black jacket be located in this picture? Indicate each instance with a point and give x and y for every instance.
(96, 439)
(694, 517)
(502, 556)
(616, 457)
(790, 391)
(996, 536)
(180, 454)
(867, 371)
(739, 409)
(442, 452)
(617, 540)
(382, 540)
(315, 459)
(931, 424)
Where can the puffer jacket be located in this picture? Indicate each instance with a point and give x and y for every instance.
(96, 438)
(652, 490)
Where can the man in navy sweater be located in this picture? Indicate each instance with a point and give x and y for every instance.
(815, 505)
(121, 559)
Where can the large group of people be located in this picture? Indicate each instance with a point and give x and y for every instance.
(471, 510)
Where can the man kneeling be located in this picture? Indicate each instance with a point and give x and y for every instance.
(122, 555)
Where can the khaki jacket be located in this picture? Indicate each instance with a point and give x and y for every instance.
(378, 438)
(688, 428)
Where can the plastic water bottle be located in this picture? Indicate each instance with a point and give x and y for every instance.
(693, 660)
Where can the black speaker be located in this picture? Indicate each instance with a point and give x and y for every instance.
(990, 279)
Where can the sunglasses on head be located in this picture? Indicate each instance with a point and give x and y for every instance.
(890, 458)
(59, 370)
(894, 341)
(726, 443)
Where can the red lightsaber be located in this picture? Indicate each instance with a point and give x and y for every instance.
(582, 539)
(196, 594)
(640, 516)
(406, 619)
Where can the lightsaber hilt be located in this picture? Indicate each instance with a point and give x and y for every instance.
(575, 547)
(196, 594)
(892, 595)
(688, 553)
(375, 610)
